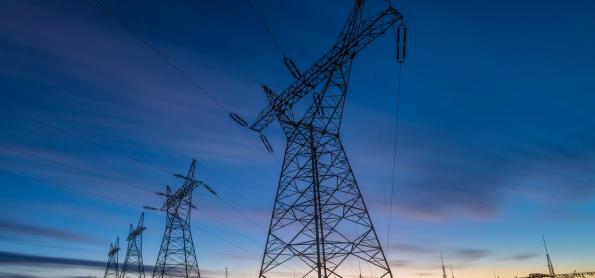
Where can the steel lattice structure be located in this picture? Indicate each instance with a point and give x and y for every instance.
(133, 262)
(550, 266)
(443, 269)
(320, 221)
(177, 255)
(552, 274)
(111, 269)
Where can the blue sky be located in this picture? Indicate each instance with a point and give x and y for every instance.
(495, 140)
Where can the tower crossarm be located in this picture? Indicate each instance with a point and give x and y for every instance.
(113, 250)
(360, 35)
(136, 232)
(189, 186)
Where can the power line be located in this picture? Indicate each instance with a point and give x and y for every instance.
(379, 135)
(266, 28)
(176, 68)
(94, 173)
(66, 131)
(64, 187)
(128, 184)
(83, 138)
(394, 170)
(75, 168)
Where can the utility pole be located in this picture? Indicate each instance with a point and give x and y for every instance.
(177, 256)
(319, 221)
(111, 269)
(133, 263)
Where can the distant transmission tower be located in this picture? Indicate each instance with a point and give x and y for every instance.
(111, 269)
(133, 263)
(320, 222)
(177, 256)
(550, 266)
(443, 269)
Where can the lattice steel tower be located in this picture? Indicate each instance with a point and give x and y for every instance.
(177, 256)
(443, 269)
(320, 222)
(550, 266)
(111, 269)
(133, 262)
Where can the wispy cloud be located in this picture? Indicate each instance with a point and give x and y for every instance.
(399, 263)
(19, 259)
(411, 248)
(471, 254)
(518, 257)
(15, 229)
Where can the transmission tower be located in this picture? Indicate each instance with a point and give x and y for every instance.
(111, 269)
(443, 269)
(319, 221)
(177, 256)
(552, 274)
(133, 263)
(550, 266)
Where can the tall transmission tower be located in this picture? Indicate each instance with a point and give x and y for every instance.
(177, 256)
(133, 263)
(550, 266)
(111, 269)
(320, 222)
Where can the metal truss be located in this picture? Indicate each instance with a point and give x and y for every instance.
(177, 255)
(133, 263)
(111, 269)
(320, 223)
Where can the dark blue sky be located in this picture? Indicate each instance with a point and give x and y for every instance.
(496, 139)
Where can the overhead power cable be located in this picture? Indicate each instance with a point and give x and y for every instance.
(105, 147)
(139, 187)
(266, 28)
(394, 170)
(131, 204)
(75, 168)
(176, 68)
(83, 138)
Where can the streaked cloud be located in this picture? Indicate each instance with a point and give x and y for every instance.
(471, 254)
(518, 257)
(15, 229)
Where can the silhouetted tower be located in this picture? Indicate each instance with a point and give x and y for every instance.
(133, 263)
(320, 222)
(177, 256)
(111, 269)
(451, 273)
(443, 269)
(550, 266)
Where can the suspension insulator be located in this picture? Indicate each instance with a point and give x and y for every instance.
(401, 43)
(292, 67)
(237, 119)
(266, 143)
